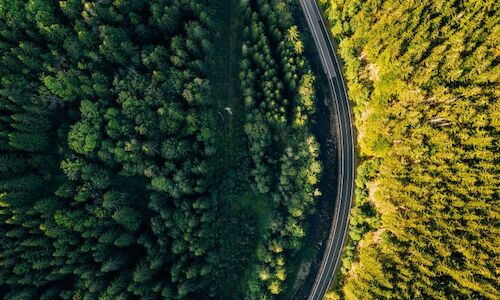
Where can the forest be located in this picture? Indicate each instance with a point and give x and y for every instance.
(424, 78)
(123, 173)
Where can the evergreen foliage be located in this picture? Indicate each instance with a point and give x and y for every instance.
(104, 132)
(424, 76)
(108, 151)
(277, 88)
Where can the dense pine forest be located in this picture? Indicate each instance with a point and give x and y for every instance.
(424, 76)
(123, 173)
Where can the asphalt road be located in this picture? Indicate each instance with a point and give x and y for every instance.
(340, 220)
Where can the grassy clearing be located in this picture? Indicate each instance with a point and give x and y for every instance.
(224, 75)
(244, 215)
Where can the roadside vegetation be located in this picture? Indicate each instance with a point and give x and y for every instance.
(424, 77)
(277, 89)
(153, 149)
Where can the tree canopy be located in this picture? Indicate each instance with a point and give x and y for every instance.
(424, 77)
(111, 183)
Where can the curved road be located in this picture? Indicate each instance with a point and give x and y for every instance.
(345, 185)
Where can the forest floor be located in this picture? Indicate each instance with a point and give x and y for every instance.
(244, 213)
(224, 77)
